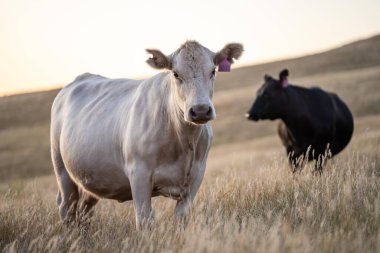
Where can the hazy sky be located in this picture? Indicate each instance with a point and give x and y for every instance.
(46, 43)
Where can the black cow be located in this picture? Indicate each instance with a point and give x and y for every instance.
(314, 123)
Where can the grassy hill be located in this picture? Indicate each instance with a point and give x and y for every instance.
(353, 71)
(357, 55)
(249, 199)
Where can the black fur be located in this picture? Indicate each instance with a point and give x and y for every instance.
(283, 74)
(310, 118)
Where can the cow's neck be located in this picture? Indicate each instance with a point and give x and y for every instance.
(292, 115)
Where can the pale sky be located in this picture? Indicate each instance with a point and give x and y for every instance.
(47, 43)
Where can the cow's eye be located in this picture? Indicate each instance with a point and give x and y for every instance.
(175, 74)
(213, 73)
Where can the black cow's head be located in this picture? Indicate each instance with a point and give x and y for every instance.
(271, 98)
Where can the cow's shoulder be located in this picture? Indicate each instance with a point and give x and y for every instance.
(316, 96)
(87, 75)
(317, 91)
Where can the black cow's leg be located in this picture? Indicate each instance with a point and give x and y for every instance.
(296, 162)
(321, 161)
(319, 164)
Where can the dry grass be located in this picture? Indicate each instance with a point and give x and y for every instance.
(249, 200)
(270, 211)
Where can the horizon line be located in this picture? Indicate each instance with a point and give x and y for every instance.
(238, 66)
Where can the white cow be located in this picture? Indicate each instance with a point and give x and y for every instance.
(128, 139)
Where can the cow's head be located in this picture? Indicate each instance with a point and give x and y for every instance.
(193, 69)
(271, 98)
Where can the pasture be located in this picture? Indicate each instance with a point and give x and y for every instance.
(249, 199)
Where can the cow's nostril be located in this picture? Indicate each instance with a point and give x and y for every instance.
(192, 113)
(209, 111)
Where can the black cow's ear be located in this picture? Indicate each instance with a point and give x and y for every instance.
(267, 78)
(283, 76)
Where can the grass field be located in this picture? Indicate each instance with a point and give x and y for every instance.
(249, 200)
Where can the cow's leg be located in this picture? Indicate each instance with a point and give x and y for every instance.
(59, 198)
(67, 197)
(295, 161)
(183, 207)
(141, 185)
(86, 204)
(320, 163)
(85, 210)
(322, 158)
(69, 192)
(318, 169)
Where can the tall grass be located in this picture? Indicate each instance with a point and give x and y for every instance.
(272, 211)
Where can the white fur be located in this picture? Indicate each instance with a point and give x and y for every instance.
(127, 139)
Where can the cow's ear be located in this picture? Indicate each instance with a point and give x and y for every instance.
(158, 59)
(230, 52)
(283, 76)
(267, 77)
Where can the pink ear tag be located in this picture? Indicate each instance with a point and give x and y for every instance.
(285, 83)
(224, 66)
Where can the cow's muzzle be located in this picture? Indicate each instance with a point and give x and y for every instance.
(254, 116)
(201, 114)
